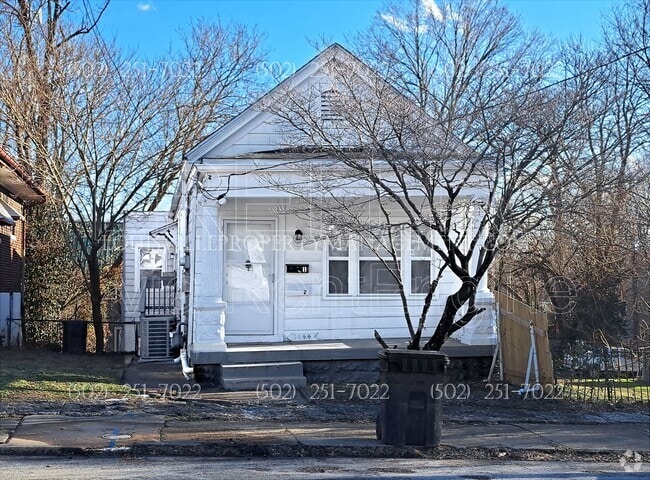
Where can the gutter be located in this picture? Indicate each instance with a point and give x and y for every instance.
(23, 175)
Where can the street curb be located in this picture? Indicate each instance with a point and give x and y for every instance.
(239, 450)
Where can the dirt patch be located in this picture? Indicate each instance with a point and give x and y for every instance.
(245, 406)
(94, 386)
(89, 385)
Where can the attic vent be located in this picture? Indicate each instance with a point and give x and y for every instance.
(329, 110)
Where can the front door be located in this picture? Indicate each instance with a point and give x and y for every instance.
(249, 259)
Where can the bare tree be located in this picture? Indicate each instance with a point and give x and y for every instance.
(125, 135)
(456, 145)
(37, 43)
(589, 249)
(629, 35)
(119, 126)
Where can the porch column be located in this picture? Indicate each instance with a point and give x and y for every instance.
(209, 309)
(481, 330)
(477, 215)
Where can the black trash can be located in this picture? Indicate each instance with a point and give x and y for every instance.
(75, 333)
(412, 413)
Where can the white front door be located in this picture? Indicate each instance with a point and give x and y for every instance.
(249, 259)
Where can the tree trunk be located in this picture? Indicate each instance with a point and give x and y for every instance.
(415, 341)
(452, 305)
(95, 289)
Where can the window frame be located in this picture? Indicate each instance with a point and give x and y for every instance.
(347, 259)
(138, 270)
(372, 257)
(355, 257)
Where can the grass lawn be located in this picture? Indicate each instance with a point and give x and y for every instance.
(41, 375)
(610, 390)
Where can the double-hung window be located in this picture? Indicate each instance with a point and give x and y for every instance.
(420, 255)
(377, 266)
(339, 266)
(355, 268)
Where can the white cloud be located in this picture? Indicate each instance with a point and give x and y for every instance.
(145, 7)
(400, 24)
(431, 8)
(455, 16)
(394, 21)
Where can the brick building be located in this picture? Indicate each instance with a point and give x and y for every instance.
(17, 193)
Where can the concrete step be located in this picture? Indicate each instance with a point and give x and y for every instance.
(254, 376)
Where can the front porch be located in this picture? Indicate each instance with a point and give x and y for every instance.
(242, 367)
(288, 351)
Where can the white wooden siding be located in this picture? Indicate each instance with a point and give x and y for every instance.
(259, 136)
(319, 315)
(136, 235)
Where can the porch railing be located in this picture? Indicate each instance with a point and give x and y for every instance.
(158, 296)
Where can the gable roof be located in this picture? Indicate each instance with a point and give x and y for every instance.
(252, 111)
(246, 119)
(18, 182)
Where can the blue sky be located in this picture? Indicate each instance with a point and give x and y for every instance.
(149, 26)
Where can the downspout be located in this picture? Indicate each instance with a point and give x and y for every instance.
(183, 359)
(186, 369)
(23, 271)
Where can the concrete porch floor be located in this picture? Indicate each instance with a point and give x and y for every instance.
(365, 349)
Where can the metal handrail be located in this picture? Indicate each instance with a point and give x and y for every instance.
(158, 296)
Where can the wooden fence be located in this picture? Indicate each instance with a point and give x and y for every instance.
(515, 320)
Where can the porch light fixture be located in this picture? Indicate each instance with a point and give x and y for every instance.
(297, 236)
(248, 265)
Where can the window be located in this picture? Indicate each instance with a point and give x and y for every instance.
(374, 274)
(420, 265)
(354, 268)
(150, 263)
(339, 267)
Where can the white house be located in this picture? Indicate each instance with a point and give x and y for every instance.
(248, 272)
(148, 285)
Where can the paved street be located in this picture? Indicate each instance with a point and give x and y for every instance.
(165, 468)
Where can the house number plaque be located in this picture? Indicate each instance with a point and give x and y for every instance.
(297, 268)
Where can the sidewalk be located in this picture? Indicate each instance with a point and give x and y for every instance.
(147, 434)
(275, 429)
